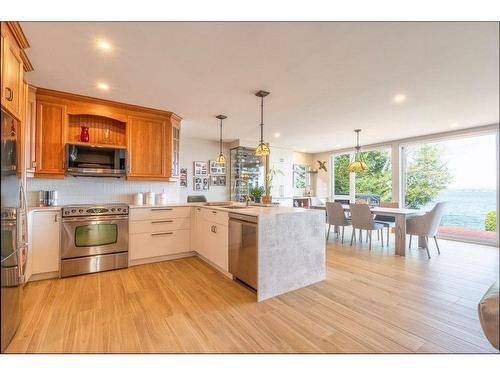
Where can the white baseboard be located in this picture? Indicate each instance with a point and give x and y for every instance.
(162, 258)
(44, 276)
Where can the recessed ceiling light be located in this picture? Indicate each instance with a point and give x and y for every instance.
(102, 86)
(399, 98)
(338, 145)
(303, 150)
(104, 45)
(277, 135)
(454, 125)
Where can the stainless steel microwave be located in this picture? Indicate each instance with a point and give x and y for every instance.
(82, 160)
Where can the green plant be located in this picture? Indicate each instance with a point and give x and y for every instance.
(269, 179)
(256, 192)
(490, 221)
(426, 176)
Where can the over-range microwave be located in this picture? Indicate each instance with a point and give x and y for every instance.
(83, 160)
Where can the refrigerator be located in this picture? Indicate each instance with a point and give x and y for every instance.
(14, 247)
(246, 171)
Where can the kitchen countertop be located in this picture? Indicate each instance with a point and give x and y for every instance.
(251, 210)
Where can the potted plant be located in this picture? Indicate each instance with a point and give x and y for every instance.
(256, 193)
(267, 199)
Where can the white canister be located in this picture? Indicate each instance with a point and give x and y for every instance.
(150, 198)
(162, 199)
(138, 199)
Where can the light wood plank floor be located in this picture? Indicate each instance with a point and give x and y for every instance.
(371, 302)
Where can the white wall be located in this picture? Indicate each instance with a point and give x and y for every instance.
(89, 190)
(194, 149)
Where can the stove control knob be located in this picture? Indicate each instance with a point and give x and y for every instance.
(80, 210)
(112, 210)
(66, 212)
(73, 211)
(119, 209)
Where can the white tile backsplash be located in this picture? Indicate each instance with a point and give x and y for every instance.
(89, 190)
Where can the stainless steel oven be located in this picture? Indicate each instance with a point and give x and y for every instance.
(94, 239)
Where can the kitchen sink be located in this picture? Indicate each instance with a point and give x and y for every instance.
(235, 207)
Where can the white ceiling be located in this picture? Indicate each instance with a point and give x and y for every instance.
(325, 79)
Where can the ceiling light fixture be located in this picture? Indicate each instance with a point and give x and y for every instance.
(102, 86)
(102, 44)
(262, 149)
(399, 98)
(221, 158)
(357, 165)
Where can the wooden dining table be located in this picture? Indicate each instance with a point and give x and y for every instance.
(400, 215)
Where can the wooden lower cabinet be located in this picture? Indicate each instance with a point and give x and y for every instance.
(147, 151)
(50, 140)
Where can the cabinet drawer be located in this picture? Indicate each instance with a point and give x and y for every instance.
(159, 225)
(148, 245)
(218, 217)
(156, 213)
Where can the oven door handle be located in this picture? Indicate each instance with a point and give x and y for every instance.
(94, 219)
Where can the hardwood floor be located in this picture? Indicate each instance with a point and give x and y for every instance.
(371, 302)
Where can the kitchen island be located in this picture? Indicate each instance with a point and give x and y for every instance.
(290, 242)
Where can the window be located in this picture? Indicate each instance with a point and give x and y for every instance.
(374, 185)
(300, 179)
(461, 172)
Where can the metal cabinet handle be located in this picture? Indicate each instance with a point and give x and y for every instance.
(162, 221)
(56, 218)
(213, 229)
(161, 209)
(214, 212)
(162, 234)
(9, 97)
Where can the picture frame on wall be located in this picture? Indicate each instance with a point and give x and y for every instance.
(217, 168)
(183, 177)
(218, 180)
(200, 168)
(200, 183)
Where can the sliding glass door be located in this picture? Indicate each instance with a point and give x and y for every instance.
(461, 172)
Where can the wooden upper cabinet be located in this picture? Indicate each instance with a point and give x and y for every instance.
(30, 129)
(174, 144)
(147, 148)
(12, 74)
(50, 139)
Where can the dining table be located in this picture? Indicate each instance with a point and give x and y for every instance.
(400, 215)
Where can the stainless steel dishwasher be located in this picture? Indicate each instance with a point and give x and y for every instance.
(243, 248)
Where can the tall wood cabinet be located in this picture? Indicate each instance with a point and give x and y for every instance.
(50, 125)
(12, 74)
(146, 148)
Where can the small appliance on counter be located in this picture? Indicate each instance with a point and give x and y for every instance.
(47, 198)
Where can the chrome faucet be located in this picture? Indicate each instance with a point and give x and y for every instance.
(248, 200)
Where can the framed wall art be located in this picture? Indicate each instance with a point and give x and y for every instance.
(183, 177)
(200, 168)
(217, 168)
(200, 183)
(218, 180)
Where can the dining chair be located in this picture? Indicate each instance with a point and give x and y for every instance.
(335, 216)
(426, 225)
(387, 221)
(362, 219)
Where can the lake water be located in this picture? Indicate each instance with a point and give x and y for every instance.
(466, 208)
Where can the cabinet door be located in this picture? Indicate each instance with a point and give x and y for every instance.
(45, 241)
(12, 76)
(219, 247)
(50, 122)
(146, 148)
(197, 230)
(29, 135)
(175, 144)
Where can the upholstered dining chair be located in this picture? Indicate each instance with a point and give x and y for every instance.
(362, 219)
(335, 216)
(426, 225)
(387, 221)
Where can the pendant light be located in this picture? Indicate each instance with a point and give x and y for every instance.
(357, 165)
(262, 149)
(221, 158)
